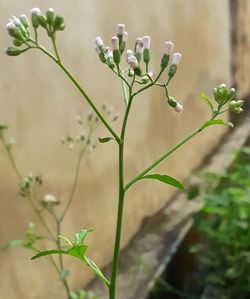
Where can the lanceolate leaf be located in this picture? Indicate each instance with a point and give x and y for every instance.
(78, 251)
(165, 179)
(105, 139)
(216, 122)
(207, 100)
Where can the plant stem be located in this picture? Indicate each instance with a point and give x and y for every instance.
(158, 161)
(76, 178)
(115, 260)
(83, 93)
(64, 280)
(112, 289)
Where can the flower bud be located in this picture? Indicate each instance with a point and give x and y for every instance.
(115, 43)
(146, 42)
(132, 61)
(50, 15)
(58, 23)
(120, 29)
(129, 53)
(176, 58)
(42, 20)
(25, 21)
(139, 49)
(99, 43)
(12, 51)
(146, 45)
(178, 108)
(168, 47)
(145, 79)
(18, 25)
(235, 106)
(14, 31)
(34, 19)
(17, 42)
(109, 57)
(50, 199)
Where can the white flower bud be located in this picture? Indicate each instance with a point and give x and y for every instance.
(125, 36)
(115, 42)
(120, 29)
(168, 47)
(99, 42)
(108, 52)
(178, 108)
(222, 85)
(176, 58)
(151, 74)
(132, 61)
(15, 21)
(10, 26)
(146, 42)
(35, 11)
(139, 45)
(49, 198)
(232, 90)
(129, 53)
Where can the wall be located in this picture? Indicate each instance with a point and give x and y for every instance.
(40, 105)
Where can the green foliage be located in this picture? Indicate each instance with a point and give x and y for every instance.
(165, 179)
(216, 122)
(224, 224)
(76, 249)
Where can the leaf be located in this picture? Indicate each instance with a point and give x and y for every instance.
(82, 294)
(216, 122)
(65, 239)
(207, 100)
(78, 251)
(165, 179)
(105, 139)
(80, 237)
(73, 295)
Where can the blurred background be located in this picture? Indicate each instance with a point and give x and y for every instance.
(39, 105)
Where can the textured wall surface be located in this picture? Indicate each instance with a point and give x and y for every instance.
(241, 46)
(40, 105)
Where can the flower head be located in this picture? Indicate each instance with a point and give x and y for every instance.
(178, 108)
(98, 42)
(50, 198)
(125, 36)
(176, 58)
(168, 47)
(146, 42)
(132, 61)
(120, 29)
(115, 43)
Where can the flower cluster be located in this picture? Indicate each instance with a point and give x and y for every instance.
(111, 56)
(19, 29)
(224, 95)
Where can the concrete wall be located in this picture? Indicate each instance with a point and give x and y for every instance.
(40, 105)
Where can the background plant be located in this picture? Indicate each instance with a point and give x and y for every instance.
(223, 223)
(136, 78)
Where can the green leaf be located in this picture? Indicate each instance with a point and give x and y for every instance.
(78, 251)
(207, 101)
(216, 122)
(105, 139)
(165, 179)
(80, 237)
(73, 295)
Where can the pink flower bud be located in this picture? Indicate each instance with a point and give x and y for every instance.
(108, 52)
(178, 108)
(115, 42)
(132, 61)
(120, 29)
(99, 42)
(168, 47)
(146, 42)
(139, 45)
(129, 53)
(176, 58)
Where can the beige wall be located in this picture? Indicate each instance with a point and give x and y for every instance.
(40, 105)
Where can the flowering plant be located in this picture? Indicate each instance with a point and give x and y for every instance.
(136, 77)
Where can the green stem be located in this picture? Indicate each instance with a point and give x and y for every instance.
(83, 93)
(115, 261)
(64, 280)
(158, 161)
